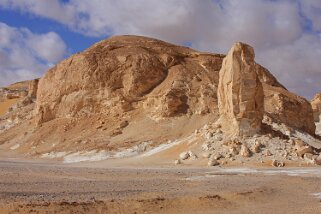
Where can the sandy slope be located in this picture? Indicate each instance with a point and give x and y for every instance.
(4, 106)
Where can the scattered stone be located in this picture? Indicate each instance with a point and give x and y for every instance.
(206, 147)
(245, 152)
(257, 147)
(213, 162)
(192, 155)
(216, 157)
(234, 151)
(218, 138)
(299, 143)
(123, 124)
(184, 156)
(318, 160)
(116, 132)
(276, 163)
(177, 162)
(303, 150)
(206, 155)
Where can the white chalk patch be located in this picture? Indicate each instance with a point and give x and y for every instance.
(86, 156)
(14, 147)
(164, 147)
(133, 151)
(317, 195)
(52, 155)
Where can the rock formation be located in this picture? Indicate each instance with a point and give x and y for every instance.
(288, 108)
(117, 74)
(128, 91)
(32, 88)
(316, 106)
(240, 93)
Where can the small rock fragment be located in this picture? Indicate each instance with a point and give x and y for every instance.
(177, 162)
(257, 147)
(184, 156)
(123, 124)
(206, 155)
(212, 162)
(318, 160)
(276, 163)
(303, 150)
(245, 152)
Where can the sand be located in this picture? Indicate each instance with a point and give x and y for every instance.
(43, 187)
(5, 105)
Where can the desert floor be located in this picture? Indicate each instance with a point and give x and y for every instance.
(51, 187)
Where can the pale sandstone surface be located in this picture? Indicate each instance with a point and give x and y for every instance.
(240, 93)
(316, 106)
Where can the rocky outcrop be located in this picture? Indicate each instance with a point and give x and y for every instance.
(33, 88)
(240, 93)
(124, 73)
(316, 106)
(288, 108)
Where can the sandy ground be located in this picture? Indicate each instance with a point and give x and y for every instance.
(4, 106)
(39, 187)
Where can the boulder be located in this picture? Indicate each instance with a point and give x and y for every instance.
(240, 93)
(213, 162)
(184, 155)
(245, 152)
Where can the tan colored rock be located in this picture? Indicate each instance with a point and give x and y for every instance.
(184, 155)
(33, 88)
(277, 163)
(316, 106)
(303, 150)
(240, 93)
(288, 108)
(213, 162)
(245, 152)
(318, 160)
(123, 72)
(256, 147)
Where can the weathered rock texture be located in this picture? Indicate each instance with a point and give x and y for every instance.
(288, 108)
(316, 106)
(240, 93)
(124, 73)
(32, 88)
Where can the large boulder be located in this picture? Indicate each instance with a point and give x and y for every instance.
(240, 93)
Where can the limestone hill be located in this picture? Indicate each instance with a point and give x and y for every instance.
(128, 94)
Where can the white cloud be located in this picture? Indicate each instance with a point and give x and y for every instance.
(25, 55)
(274, 28)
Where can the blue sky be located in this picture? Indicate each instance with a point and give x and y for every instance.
(36, 34)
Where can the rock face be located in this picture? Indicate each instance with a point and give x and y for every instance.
(316, 106)
(288, 108)
(122, 73)
(240, 93)
(32, 88)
